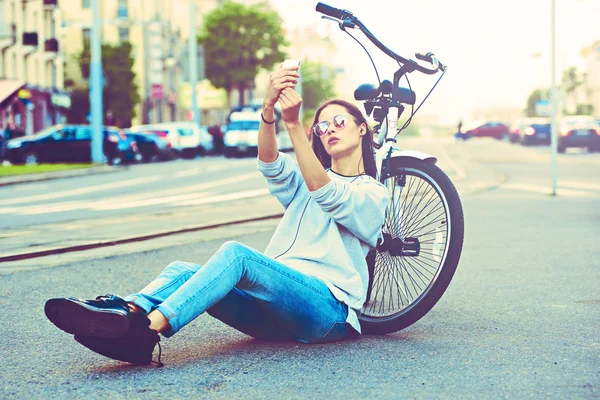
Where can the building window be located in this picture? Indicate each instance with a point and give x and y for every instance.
(123, 34)
(87, 36)
(122, 9)
(86, 4)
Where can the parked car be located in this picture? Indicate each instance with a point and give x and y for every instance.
(152, 147)
(579, 131)
(496, 130)
(186, 138)
(533, 131)
(241, 134)
(70, 144)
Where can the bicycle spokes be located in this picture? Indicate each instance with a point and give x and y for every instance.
(415, 240)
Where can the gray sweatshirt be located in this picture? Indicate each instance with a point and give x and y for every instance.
(327, 233)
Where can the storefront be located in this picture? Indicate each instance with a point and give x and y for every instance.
(30, 109)
(12, 111)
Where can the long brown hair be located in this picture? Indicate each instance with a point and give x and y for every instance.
(368, 154)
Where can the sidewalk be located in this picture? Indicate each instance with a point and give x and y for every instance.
(45, 176)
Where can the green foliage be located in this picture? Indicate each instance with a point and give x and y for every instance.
(534, 97)
(318, 84)
(120, 94)
(239, 41)
(80, 105)
(411, 130)
(584, 109)
(573, 83)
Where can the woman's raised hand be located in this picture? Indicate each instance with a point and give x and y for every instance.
(290, 102)
(279, 80)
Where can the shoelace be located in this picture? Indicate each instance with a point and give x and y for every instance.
(158, 363)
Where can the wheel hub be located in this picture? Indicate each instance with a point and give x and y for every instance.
(407, 247)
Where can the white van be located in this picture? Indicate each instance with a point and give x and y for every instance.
(241, 134)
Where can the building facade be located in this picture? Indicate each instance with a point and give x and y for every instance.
(592, 69)
(32, 95)
(153, 29)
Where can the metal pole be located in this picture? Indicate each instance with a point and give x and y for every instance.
(554, 135)
(96, 86)
(147, 102)
(193, 56)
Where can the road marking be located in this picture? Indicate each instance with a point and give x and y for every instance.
(546, 190)
(228, 197)
(166, 196)
(579, 185)
(190, 172)
(197, 171)
(85, 190)
(105, 206)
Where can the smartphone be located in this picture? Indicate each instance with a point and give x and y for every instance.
(290, 63)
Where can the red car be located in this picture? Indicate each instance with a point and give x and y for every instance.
(496, 130)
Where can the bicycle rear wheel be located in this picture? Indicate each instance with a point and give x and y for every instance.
(423, 238)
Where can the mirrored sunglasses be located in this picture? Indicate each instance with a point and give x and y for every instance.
(339, 122)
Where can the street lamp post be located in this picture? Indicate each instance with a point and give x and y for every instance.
(96, 86)
(554, 130)
(193, 60)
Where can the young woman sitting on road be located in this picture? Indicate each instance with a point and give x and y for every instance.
(311, 281)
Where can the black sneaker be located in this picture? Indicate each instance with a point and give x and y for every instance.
(135, 347)
(106, 317)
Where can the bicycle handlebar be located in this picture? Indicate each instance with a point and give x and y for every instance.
(330, 11)
(350, 20)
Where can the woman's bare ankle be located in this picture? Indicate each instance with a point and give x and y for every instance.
(158, 322)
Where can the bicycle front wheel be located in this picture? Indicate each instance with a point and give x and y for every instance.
(423, 238)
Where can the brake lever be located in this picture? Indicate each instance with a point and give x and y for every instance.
(343, 24)
(329, 18)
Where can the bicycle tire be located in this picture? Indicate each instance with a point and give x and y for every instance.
(453, 219)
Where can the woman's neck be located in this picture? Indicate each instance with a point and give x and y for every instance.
(350, 165)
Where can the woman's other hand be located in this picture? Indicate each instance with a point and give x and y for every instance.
(279, 80)
(290, 102)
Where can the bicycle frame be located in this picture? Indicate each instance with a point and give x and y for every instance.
(386, 138)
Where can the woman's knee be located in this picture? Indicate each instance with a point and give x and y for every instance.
(182, 267)
(233, 248)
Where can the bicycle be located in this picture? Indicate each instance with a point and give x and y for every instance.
(411, 268)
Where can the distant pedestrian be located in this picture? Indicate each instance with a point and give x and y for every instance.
(312, 280)
(460, 135)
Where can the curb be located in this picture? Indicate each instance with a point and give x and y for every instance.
(46, 176)
(130, 239)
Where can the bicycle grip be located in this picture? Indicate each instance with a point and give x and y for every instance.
(329, 10)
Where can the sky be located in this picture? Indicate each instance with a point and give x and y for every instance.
(487, 44)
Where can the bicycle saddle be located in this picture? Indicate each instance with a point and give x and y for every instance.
(369, 91)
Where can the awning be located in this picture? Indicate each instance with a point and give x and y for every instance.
(8, 88)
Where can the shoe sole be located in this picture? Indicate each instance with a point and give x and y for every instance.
(80, 319)
(111, 350)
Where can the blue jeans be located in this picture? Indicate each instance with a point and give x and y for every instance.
(249, 291)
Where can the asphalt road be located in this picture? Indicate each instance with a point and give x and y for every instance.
(519, 320)
(169, 196)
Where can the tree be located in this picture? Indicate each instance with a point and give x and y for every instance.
(573, 84)
(120, 93)
(318, 84)
(534, 97)
(80, 105)
(239, 41)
